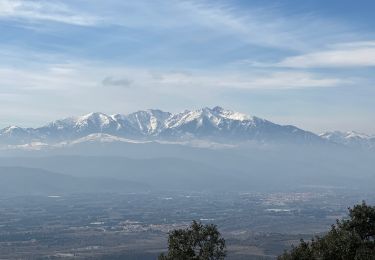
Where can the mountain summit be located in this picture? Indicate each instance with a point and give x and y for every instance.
(211, 124)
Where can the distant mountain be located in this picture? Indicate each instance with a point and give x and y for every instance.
(202, 127)
(351, 139)
(220, 124)
(158, 150)
(213, 124)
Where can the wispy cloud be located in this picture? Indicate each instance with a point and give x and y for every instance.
(354, 54)
(54, 54)
(267, 25)
(61, 90)
(44, 10)
(90, 77)
(249, 81)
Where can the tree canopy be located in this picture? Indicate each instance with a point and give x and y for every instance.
(352, 238)
(197, 242)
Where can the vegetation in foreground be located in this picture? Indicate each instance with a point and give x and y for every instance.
(348, 239)
(352, 238)
(196, 242)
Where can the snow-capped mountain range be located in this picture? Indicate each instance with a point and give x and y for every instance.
(209, 124)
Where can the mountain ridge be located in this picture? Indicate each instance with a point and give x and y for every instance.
(210, 124)
(350, 138)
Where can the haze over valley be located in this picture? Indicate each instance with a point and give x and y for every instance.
(163, 151)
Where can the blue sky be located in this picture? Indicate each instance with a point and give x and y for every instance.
(309, 63)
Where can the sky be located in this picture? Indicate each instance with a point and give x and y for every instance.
(308, 63)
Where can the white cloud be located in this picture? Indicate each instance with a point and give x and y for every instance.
(203, 21)
(355, 54)
(44, 10)
(265, 27)
(91, 77)
(270, 80)
(34, 96)
(292, 80)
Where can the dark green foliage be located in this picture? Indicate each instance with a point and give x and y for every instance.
(352, 239)
(198, 242)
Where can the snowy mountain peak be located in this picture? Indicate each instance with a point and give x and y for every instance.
(149, 121)
(95, 121)
(337, 135)
(353, 134)
(231, 114)
(218, 109)
(214, 116)
(10, 130)
(351, 138)
(206, 124)
(95, 118)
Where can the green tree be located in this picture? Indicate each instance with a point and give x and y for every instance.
(197, 242)
(349, 239)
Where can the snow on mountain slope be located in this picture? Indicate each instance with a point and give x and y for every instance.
(149, 122)
(210, 124)
(102, 138)
(74, 127)
(16, 135)
(97, 121)
(33, 146)
(225, 124)
(215, 118)
(352, 139)
(13, 131)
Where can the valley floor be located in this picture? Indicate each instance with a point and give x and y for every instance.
(135, 225)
